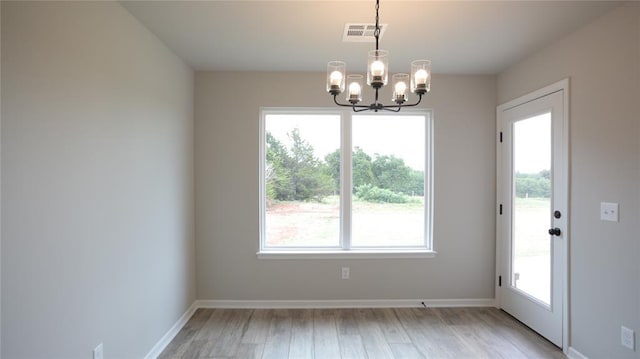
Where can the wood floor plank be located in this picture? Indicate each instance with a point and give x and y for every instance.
(181, 344)
(229, 340)
(500, 343)
(249, 351)
(194, 349)
(448, 343)
(373, 337)
(199, 318)
(413, 325)
(346, 322)
(405, 351)
(207, 337)
(484, 344)
(525, 339)
(258, 327)
(471, 331)
(391, 326)
(460, 333)
(279, 337)
(325, 339)
(301, 346)
(351, 347)
(214, 325)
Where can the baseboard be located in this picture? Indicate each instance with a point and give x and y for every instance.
(574, 354)
(168, 337)
(364, 303)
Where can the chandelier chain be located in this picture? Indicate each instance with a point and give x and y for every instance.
(376, 32)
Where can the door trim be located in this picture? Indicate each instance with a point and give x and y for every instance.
(562, 85)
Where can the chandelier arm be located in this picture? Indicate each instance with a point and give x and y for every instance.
(354, 106)
(411, 104)
(396, 108)
(376, 106)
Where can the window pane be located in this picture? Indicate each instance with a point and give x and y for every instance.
(302, 200)
(388, 181)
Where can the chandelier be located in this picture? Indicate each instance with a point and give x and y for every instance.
(377, 76)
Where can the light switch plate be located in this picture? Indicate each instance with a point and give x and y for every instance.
(98, 352)
(627, 338)
(609, 211)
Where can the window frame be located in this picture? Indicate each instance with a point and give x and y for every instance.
(344, 248)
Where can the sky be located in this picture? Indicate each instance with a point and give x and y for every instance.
(532, 144)
(400, 135)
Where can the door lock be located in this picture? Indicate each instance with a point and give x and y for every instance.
(555, 231)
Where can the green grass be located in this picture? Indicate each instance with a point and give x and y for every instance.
(532, 220)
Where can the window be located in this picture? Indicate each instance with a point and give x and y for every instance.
(342, 183)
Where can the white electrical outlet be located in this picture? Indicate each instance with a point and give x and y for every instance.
(345, 272)
(609, 212)
(98, 352)
(627, 338)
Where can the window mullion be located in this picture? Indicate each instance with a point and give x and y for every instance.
(428, 182)
(345, 181)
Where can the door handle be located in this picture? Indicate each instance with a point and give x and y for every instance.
(555, 231)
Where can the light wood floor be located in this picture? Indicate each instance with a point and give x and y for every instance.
(357, 333)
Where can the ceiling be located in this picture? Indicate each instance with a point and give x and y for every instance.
(460, 37)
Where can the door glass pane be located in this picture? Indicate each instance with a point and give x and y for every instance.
(388, 180)
(531, 242)
(302, 181)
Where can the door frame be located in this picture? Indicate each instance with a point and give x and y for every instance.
(562, 85)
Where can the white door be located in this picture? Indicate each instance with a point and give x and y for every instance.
(532, 205)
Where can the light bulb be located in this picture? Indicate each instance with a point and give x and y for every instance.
(354, 89)
(400, 88)
(421, 77)
(335, 78)
(377, 68)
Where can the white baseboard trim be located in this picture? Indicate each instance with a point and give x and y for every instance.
(168, 337)
(574, 354)
(310, 304)
(362, 303)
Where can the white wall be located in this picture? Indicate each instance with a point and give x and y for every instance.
(227, 113)
(603, 63)
(97, 184)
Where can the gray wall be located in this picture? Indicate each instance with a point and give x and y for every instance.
(226, 133)
(97, 183)
(0, 187)
(603, 62)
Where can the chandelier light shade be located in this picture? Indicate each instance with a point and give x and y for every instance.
(354, 95)
(378, 66)
(335, 76)
(421, 76)
(418, 81)
(400, 84)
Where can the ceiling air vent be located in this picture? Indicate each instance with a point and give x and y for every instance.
(361, 32)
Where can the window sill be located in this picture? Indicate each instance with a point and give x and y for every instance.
(351, 254)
